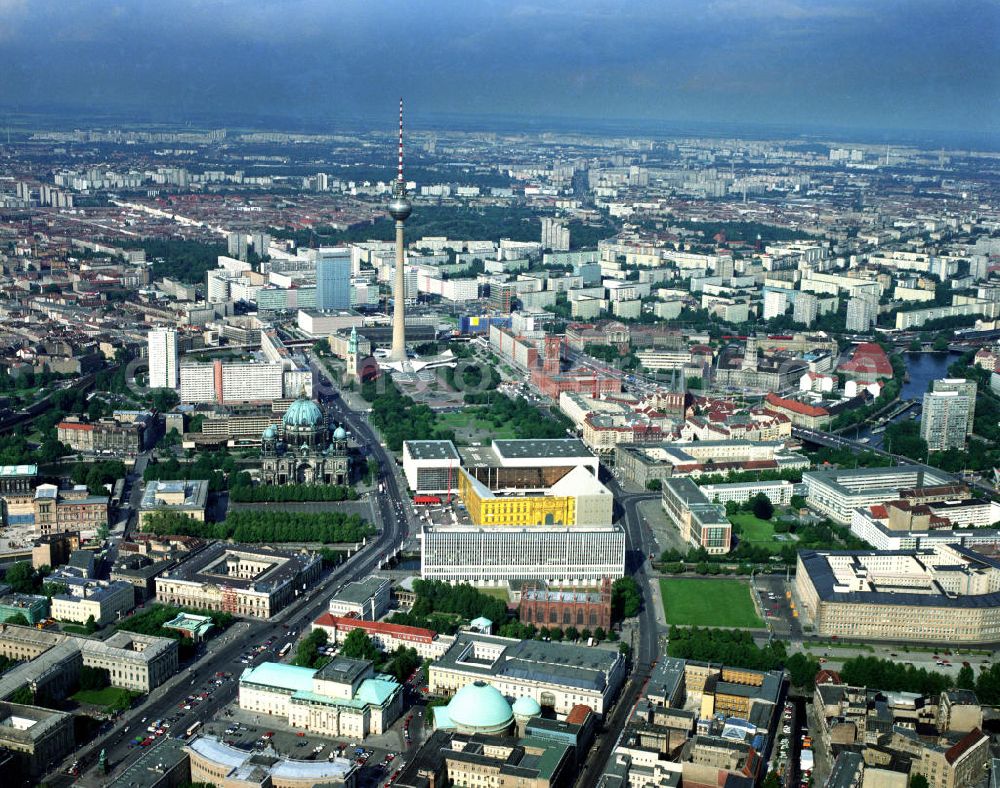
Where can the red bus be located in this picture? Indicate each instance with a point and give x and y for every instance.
(426, 500)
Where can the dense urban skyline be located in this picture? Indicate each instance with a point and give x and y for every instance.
(917, 65)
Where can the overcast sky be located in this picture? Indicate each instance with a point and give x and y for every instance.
(907, 64)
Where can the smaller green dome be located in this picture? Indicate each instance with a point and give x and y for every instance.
(340, 434)
(270, 432)
(526, 707)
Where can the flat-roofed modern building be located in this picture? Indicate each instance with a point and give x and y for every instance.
(578, 498)
(366, 599)
(837, 493)
(431, 466)
(946, 594)
(701, 523)
(558, 676)
(189, 498)
(642, 464)
(779, 492)
(493, 555)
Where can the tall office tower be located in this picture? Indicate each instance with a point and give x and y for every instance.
(333, 280)
(806, 308)
(968, 388)
(555, 235)
(750, 354)
(862, 310)
(399, 209)
(162, 354)
(944, 418)
(775, 303)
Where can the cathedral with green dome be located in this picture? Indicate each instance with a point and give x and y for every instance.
(303, 449)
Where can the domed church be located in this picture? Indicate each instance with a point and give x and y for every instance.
(302, 450)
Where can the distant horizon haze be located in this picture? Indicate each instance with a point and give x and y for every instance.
(929, 67)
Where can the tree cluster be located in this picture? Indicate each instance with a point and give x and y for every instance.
(96, 474)
(626, 598)
(399, 418)
(215, 466)
(307, 655)
(728, 646)
(462, 600)
(185, 260)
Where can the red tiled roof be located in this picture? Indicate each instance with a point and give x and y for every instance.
(399, 631)
(879, 512)
(795, 406)
(970, 740)
(869, 357)
(828, 677)
(75, 425)
(578, 714)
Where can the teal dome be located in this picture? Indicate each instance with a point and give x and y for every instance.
(340, 434)
(303, 413)
(526, 707)
(270, 432)
(480, 708)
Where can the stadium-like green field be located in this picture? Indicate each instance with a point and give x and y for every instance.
(708, 603)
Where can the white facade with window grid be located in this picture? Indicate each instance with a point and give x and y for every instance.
(492, 556)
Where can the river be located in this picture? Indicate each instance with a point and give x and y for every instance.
(922, 369)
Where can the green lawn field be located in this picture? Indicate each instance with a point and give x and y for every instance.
(755, 531)
(708, 603)
(468, 428)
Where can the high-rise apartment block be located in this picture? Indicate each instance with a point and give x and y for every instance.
(944, 419)
(775, 303)
(162, 352)
(966, 387)
(862, 310)
(806, 308)
(555, 235)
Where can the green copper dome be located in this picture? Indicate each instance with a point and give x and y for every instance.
(303, 413)
(340, 434)
(480, 707)
(526, 707)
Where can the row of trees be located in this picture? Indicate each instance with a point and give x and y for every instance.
(290, 493)
(256, 527)
(737, 647)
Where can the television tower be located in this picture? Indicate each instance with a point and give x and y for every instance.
(399, 209)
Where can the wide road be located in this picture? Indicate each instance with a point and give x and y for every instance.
(638, 544)
(224, 653)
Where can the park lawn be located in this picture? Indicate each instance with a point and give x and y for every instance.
(755, 531)
(107, 697)
(499, 593)
(708, 603)
(465, 420)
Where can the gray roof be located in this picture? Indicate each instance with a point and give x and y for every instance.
(360, 591)
(200, 567)
(561, 664)
(545, 448)
(821, 575)
(432, 450)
